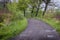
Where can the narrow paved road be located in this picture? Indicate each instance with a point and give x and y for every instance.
(37, 30)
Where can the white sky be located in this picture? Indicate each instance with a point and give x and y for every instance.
(57, 0)
(57, 3)
(13, 0)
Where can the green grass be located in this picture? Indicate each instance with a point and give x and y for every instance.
(13, 29)
(54, 24)
(48, 18)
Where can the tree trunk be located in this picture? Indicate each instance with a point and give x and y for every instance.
(45, 9)
(24, 12)
(32, 11)
(37, 10)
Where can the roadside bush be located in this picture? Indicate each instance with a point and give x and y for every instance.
(16, 14)
(14, 28)
(57, 11)
(12, 7)
(13, 23)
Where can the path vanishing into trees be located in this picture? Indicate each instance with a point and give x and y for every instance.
(37, 30)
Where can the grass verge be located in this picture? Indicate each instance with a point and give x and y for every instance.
(54, 23)
(14, 28)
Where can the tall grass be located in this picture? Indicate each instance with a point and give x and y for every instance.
(13, 29)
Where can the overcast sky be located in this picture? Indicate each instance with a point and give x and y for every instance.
(57, 2)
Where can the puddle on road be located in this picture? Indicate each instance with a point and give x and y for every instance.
(50, 36)
(50, 30)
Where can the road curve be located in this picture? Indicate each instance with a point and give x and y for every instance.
(37, 30)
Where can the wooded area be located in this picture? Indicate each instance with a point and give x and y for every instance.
(14, 15)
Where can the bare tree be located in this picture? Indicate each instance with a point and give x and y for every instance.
(46, 5)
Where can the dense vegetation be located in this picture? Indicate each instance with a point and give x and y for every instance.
(14, 21)
(12, 29)
(53, 19)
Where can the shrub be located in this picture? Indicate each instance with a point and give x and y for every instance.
(16, 14)
(14, 28)
(13, 23)
(12, 7)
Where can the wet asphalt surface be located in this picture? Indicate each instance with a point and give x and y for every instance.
(37, 30)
